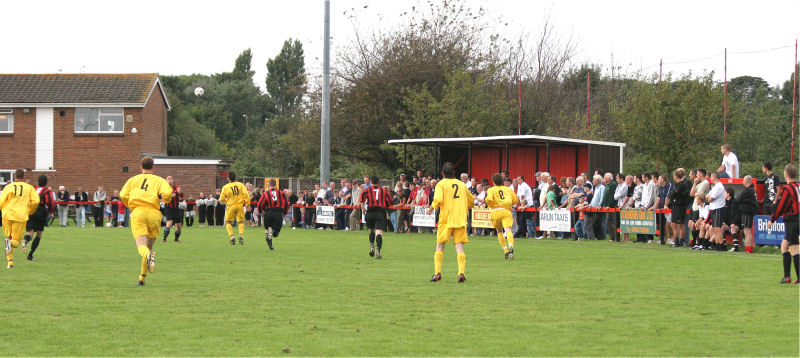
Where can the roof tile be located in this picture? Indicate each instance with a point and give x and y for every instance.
(76, 88)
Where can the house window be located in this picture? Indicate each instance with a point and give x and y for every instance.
(98, 120)
(5, 176)
(6, 121)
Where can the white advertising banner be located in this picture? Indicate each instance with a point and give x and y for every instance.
(555, 220)
(325, 215)
(422, 219)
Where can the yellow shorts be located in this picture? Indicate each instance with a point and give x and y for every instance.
(145, 222)
(235, 213)
(14, 229)
(501, 219)
(459, 235)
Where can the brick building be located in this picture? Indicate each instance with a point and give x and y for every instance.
(90, 129)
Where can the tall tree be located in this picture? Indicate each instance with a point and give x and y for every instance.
(286, 77)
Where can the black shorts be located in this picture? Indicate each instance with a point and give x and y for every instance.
(37, 221)
(174, 214)
(678, 214)
(273, 219)
(695, 215)
(746, 221)
(792, 230)
(376, 219)
(716, 217)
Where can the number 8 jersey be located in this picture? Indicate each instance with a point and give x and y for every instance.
(145, 190)
(454, 200)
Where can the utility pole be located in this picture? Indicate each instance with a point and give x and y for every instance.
(325, 125)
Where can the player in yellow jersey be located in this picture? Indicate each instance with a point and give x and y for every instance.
(143, 194)
(500, 199)
(454, 200)
(17, 201)
(235, 196)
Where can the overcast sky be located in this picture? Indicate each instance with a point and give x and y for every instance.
(184, 37)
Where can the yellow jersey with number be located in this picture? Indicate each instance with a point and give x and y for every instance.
(18, 201)
(500, 196)
(234, 194)
(454, 200)
(145, 191)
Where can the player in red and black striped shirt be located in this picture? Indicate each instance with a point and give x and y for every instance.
(789, 207)
(375, 200)
(173, 212)
(37, 221)
(274, 205)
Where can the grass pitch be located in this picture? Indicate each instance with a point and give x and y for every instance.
(320, 294)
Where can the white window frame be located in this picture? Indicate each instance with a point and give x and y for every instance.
(3, 177)
(8, 111)
(100, 115)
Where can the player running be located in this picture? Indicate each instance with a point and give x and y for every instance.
(143, 195)
(38, 220)
(454, 201)
(789, 207)
(500, 199)
(375, 201)
(17, 202)
(173, 211)
(274, 205)
(234, 195)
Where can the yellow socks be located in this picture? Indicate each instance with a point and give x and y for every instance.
(229, 228)
(144, 252)
(241, 230)
(438, 257)
(462, 263)
(510, 240)
(502, 241)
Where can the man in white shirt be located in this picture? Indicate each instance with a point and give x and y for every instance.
(465, 180)
(649, 193)
(730, 163)
(622, 190)
(544, 186)
(716, 200)
(525, 218)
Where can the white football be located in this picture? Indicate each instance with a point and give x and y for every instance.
(108, 224)
(199, 91)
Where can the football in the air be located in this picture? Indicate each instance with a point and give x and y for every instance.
(199, 91)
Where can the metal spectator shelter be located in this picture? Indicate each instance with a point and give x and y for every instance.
(521, 154)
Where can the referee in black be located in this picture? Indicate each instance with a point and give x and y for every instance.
(376, 200)
(173, 211)
(274, 205)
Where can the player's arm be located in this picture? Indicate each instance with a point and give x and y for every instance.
(387, 198)
(489, 199)
(514, 198)
(4, 196)
(364, 198)
(438, 195)
(286, 204)
(470, 198)
(165, 191)
(125, 193)
(244, 195)
(223, 196)
(33, 202)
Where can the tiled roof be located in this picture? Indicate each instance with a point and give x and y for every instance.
(76, 88)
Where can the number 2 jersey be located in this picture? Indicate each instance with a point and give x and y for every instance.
(454, 200)
(145, 190)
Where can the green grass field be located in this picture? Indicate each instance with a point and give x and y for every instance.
(320, 294)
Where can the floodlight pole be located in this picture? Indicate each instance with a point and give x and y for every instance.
(325, 122)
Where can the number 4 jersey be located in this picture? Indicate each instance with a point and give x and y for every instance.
(145, 190)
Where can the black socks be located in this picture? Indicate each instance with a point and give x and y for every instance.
(177, 234)
(787, 263)
(796, 259)
(166, 232)
(379, 239)
(35, 245)
(372, 237)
